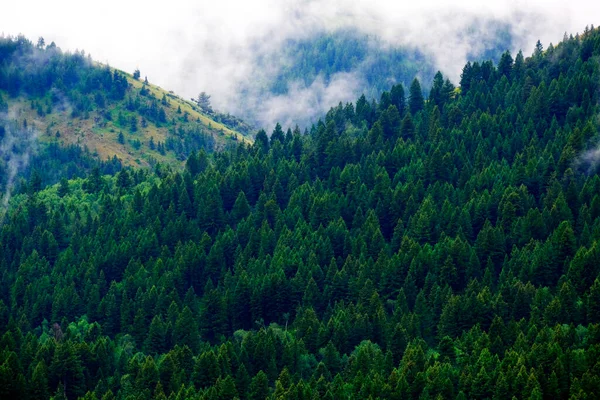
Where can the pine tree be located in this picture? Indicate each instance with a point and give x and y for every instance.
(593, 303)
(185, 331)
(259, 387)
(415, 99)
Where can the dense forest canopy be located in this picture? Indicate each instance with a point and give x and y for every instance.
(431, 247)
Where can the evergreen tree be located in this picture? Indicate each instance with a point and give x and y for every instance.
(415, 99)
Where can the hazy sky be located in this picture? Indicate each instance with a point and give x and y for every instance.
(189, 46)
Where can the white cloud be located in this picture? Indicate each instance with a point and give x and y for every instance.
(189, 46)
(301, 101)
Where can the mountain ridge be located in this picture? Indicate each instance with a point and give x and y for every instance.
(90, 116)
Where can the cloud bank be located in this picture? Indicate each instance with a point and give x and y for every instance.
(193, 46)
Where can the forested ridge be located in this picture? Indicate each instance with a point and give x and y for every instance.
(80, 112)
(347, 52)
(377, 64)
(439, 248)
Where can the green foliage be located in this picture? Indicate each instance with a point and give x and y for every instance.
(448, 253)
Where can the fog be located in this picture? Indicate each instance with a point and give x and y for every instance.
(17, 146)
(193, 46)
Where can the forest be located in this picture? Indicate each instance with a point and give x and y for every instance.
(414, 247)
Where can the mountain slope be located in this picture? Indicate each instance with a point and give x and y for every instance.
(70, 99)
(412, 248)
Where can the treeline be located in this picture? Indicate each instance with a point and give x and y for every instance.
(406, 248)
(35, 70)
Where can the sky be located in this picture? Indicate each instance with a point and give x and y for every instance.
(193, 46)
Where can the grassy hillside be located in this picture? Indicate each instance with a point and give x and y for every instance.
(69, 99)
(99, 128)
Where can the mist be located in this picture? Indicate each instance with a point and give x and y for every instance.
(18, 145)
(301, 104)
(590, 160)
(217, 47)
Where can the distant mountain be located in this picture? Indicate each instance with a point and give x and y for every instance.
(377, 65)
(298, 81)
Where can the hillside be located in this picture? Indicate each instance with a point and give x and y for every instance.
(69, 99)
(98, 129)
(443, 247)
